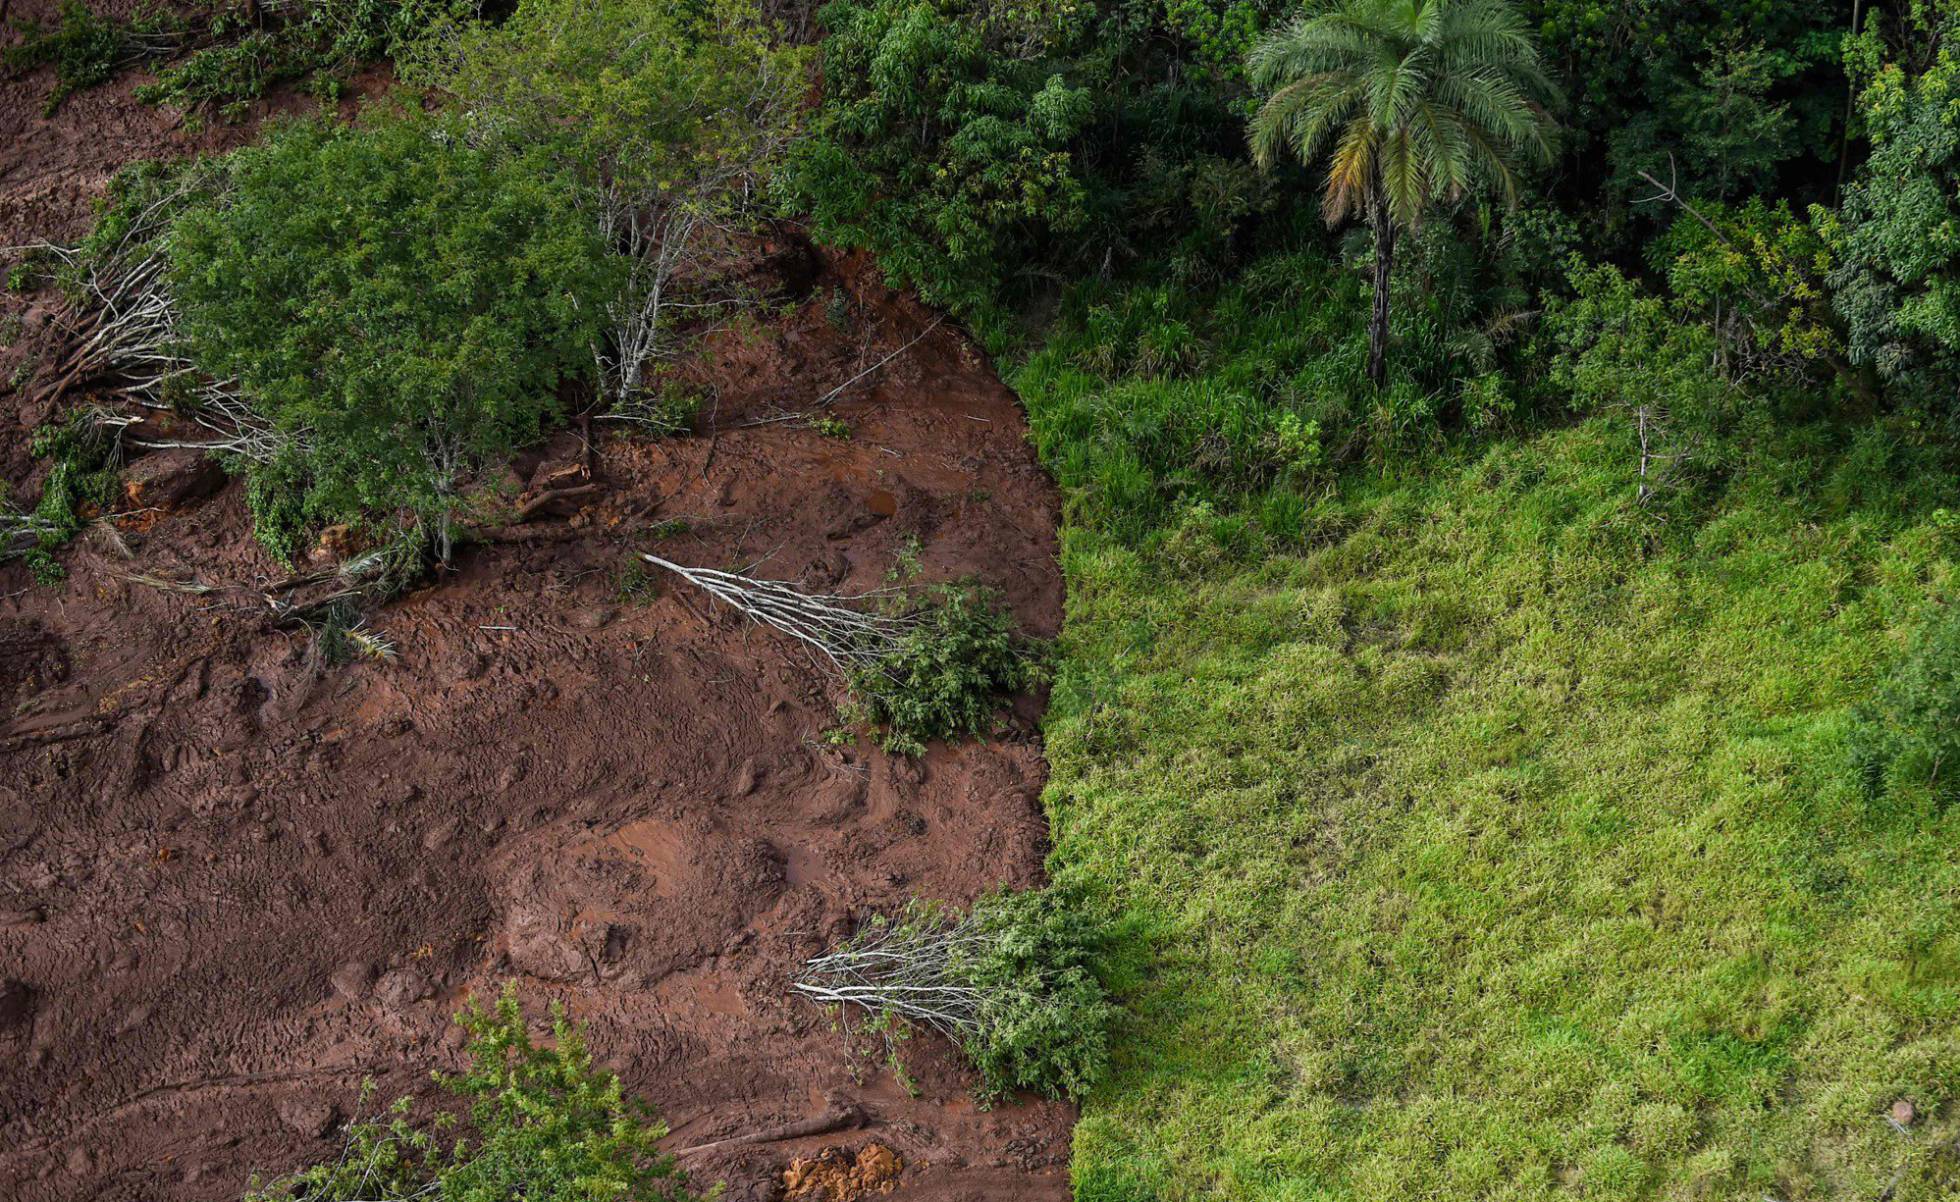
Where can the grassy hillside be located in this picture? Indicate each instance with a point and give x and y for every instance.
(1493, 838)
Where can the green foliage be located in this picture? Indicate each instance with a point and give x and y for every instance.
(1475, 847)
(402, 305)
(1897, 280)
(667, 409)
(543, 1124)
(944, 141)
(985, 151)
(1152, 398)
(1044, 1014)
(1411, 101)
(324, 37)
(948, 674)
(1738, 96)
(80, 484)
(1018, 974)
(1758, 280)
(1906, 737)
(85, 49)
(669, 117)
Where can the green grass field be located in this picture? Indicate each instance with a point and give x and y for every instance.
(1494, 840)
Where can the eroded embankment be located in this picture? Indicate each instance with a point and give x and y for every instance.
(232, 884)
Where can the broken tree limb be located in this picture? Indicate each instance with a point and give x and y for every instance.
(543, 499)
(835, 1119)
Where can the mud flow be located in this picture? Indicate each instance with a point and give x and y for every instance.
(234, 883)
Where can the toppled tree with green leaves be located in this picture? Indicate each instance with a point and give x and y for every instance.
(920, 664)
(541, 1124)
(1012, 982)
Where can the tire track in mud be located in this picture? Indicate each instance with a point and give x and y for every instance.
(240, 883)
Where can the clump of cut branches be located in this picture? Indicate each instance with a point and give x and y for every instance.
(672, 117)
(1011, 982)
(125, 327)
(542, 1123)
(920, 663)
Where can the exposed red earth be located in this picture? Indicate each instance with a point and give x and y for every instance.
(233, 882)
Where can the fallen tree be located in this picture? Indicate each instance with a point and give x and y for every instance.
(919, 663)
(1010, 982)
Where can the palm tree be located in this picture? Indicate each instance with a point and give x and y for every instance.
(1412, 101)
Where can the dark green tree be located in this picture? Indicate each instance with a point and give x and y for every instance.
(1896, 280)
(402, 306)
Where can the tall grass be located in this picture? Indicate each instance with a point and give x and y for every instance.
(1480, 836)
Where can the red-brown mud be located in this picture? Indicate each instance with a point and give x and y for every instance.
(233, 882)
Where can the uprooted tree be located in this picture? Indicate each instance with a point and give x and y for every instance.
(1011, 982)
(920, 663)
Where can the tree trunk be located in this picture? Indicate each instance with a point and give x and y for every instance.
(1384, 228)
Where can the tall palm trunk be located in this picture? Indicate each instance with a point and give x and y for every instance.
(1384, 229)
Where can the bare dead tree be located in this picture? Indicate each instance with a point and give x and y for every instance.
(848, 630)
(907, 970)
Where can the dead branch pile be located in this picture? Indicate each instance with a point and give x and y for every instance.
(907, 970)
(850, 632)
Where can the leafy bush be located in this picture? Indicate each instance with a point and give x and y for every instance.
(1012, 982)
(332, 37)
(668, 117)
(86, 50)
(947, 675)
(542, 1125)
(403, 304)
(1897, 279)
(81, 482)
(1907, 736)
(944, 139)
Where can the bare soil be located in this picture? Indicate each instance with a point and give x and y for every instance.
(235, 882)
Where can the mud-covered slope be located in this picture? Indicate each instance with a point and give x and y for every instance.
(232, 884)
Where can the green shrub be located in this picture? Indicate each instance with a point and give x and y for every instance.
(1907, 736)
(328, 37)
(670, 118)
(948, 673)
(80, 483)
(543, 1125)
(1012, 982)
(402, 306)
(1896, 278)
(86, 50)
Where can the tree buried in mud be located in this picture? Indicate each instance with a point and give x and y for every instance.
(542, 1125)
(363, 316)
(920, 663)
(1009, 982)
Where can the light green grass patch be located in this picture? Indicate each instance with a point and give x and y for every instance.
(1492, 842)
